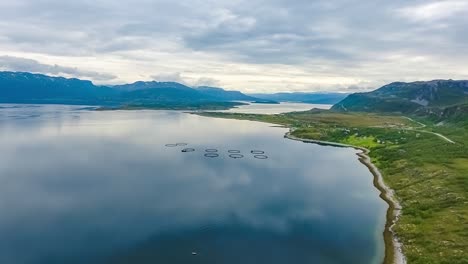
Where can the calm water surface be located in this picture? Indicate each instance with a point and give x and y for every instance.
(79, 186)
(253, 108)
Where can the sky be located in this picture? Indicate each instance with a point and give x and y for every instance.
(246, 45)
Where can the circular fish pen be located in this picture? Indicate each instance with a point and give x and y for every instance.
(181, 144)
(211, 150)
(261, 156)
(188, 150)
(171, 145)
(211, 155)
(257, 152)
(236, 156)
(234, 151)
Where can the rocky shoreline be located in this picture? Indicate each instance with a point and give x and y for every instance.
(393, 247)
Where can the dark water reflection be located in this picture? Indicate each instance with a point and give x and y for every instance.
(80, 186)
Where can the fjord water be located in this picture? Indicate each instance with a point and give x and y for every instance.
(81, 186)
(255, 108)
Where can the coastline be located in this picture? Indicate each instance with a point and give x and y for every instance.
(393, 247)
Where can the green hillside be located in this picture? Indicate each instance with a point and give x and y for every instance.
(438, 99)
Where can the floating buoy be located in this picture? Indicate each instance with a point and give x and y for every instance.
(181, 144)
(211, 155)
(171, 145)
(211, 150)
(233, 151)
(188, 150)
(257, 152)
(261, 156)
(194, 253)
(236, 156)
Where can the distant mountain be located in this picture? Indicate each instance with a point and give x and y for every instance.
(172, 91)
(19, 87)
(311, 98)
(436, 98)
(22, 87)
(151, 85)
(152, 92)
(222, 94)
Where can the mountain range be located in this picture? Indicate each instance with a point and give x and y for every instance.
(437, 99)
(22, 87)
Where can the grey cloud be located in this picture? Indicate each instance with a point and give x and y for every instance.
(258, 31)
(22, 64)
(346, 31)
(369, 40)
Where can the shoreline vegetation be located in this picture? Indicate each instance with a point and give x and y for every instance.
(419, 167)
(393, 247)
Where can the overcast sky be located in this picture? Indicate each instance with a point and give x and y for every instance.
(251, 45)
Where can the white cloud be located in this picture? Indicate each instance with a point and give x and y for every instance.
(169, 77)
(190, 81)
(435, 10)
(9, 63)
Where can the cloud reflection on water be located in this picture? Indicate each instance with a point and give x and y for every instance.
(77, 190)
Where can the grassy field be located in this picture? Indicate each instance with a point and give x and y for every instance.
(428, 174)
